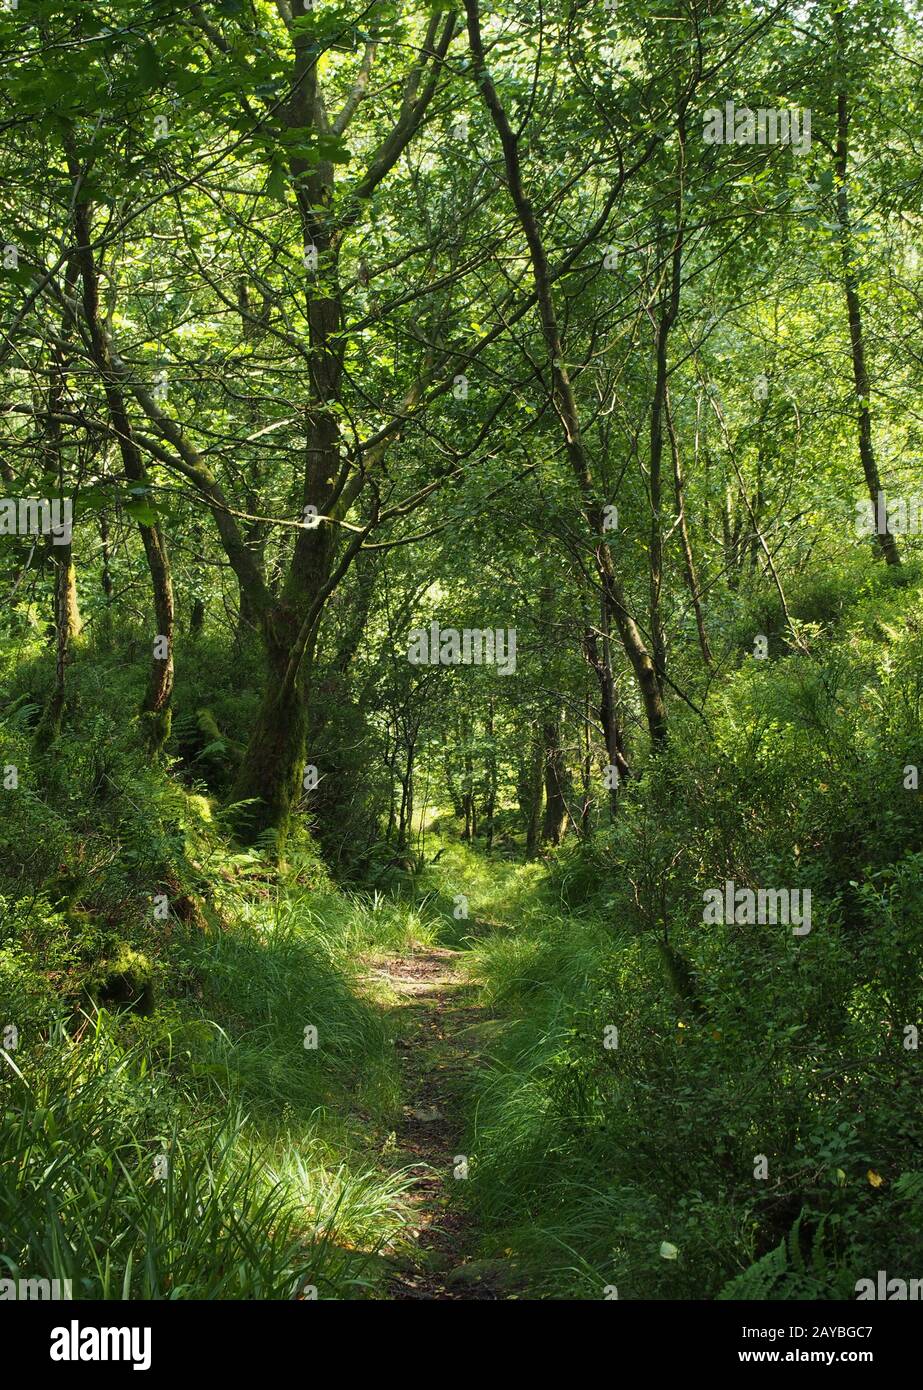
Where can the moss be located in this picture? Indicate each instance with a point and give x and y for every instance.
(156, 726)
(123, 981)
(208, 724)
(269, 779)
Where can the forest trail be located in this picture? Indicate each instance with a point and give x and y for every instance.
(437, 1038)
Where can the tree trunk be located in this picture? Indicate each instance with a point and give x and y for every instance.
(563, 396)
(106, 583)
(270, 774)
(156, 714)
(692, 582)
(66, 610)
(270, 777)
(455, 796)
(490, 800)
(599, 654)
(469, 800)
(555, 820)
(534, 829)
(197, 618)
(587, 770)
(532, 791)
(67, 626)
(155, 707)
(886, 543)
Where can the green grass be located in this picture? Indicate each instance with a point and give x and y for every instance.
(113, 1176)
(203, 1151)
(588, 1163)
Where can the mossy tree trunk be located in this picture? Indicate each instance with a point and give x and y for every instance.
(332, 483)
(155, 706)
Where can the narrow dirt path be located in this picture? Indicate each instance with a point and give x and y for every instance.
(438, 1016)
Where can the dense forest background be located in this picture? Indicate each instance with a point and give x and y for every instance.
(473, 568)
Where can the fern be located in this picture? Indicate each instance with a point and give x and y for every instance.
(759, 1281)
(910, 1186)
(785, 1273)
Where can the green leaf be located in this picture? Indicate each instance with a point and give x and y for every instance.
(149, 70)
(277, 183)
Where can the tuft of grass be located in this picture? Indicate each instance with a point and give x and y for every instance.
(113, 1177)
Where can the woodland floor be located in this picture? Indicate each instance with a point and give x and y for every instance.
(439, 1027)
